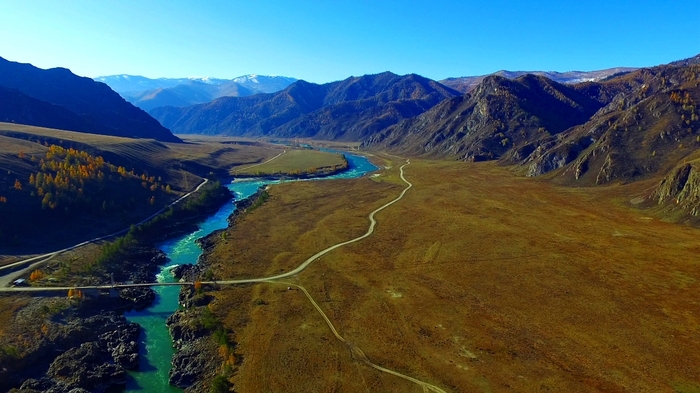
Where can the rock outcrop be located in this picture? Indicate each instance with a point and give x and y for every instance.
(193, 360)
(95, 353)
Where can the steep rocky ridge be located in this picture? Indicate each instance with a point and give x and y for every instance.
(648, 126)
(465, 84)
(346, 110)
(679, 190)
(500, 117)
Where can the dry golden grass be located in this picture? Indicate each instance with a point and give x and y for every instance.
(182, 163)
(294, 161)
(477, 280)
(9, 304)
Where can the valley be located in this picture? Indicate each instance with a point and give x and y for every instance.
(458, 295)
(507, 232)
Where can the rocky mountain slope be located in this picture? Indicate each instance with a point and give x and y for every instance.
(501, 117)
(466, 84)
(649, 123)
(351, 109)
(643, 124)
(95, 106)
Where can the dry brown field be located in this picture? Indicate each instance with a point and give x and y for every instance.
(291, 162)
(478, 280)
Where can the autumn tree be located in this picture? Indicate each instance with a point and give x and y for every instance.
(18, 185)
(36, 275)
(75, 293)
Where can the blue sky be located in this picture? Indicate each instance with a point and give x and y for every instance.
(325, 41)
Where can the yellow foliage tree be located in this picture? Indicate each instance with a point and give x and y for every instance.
(18, 185)
(36, 275)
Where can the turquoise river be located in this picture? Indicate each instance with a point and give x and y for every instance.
(156, 344)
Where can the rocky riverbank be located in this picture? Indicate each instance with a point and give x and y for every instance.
(65, 345)
(197, 360)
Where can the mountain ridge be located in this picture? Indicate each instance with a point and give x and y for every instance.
(343, 110)
(465, 84)
(147, 93)
(84, 97)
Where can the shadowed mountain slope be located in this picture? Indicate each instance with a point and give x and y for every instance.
(93, 101)
(649, 124)
(346, 110)
(501, 116)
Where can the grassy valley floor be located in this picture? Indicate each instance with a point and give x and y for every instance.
(294, 162)
(477, 280)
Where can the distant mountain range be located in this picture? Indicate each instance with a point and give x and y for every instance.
(465, 84)
(152, 93)
(598, 127)
(352, 109)
(60, 99)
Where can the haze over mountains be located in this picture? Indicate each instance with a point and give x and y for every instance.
(347, 110)
(149, 93)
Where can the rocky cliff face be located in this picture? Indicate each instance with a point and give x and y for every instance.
(93, 354)
(193, 363)
(501, 119)
(649, 125)
(680, 189)
(89, 345)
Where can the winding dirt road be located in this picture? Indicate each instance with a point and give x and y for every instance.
(319, 254)
(357, 353)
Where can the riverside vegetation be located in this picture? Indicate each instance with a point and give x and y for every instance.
(94, 361)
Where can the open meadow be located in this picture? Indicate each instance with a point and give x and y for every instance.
(478, 280)
(296, 161)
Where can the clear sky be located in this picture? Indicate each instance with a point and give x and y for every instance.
(322, 41)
